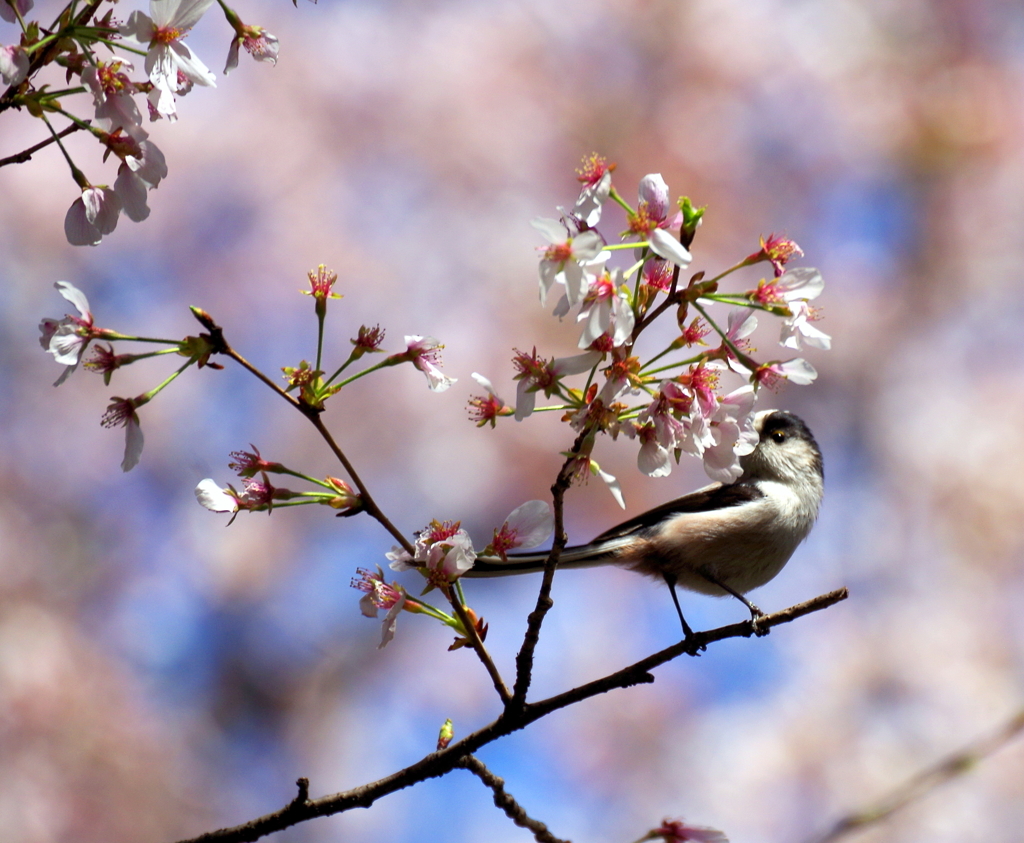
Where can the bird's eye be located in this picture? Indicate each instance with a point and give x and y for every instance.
(779, 437)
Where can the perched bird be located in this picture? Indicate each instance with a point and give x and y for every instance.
(722, 539)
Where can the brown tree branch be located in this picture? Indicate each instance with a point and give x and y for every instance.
(443, 761)
(369, 505)
(524, 659)
(26, 154)
(513, 810)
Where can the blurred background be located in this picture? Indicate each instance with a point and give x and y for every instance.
(161, 675)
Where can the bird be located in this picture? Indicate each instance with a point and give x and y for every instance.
(723, 539)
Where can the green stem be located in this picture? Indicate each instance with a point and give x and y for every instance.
(76, 174)
(743, 358)
(382, 365)
(319, 332)
(115, 335)
(688, 362)
(120, 45)
(166, 382)
(614, 195)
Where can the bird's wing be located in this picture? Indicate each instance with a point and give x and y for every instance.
(708, 499)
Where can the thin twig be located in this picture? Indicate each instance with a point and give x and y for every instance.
(443, 761)
(476, 642)
(950, 767)
(369, 505)
(26, 154)
(524, 659)
(513, 810)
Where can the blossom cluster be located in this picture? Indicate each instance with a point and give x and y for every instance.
(442, 552)
(69, 338)
(171, 71)
(676, 401)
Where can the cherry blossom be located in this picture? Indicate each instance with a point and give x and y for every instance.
(485, 409)
(92, 215)
(251, 463)
(112, 93)
(67, 339)
(214, 498)
(443, 552)
(677, 831)
(569, 260)
(652, 211)
(171, 66)
(380, 595)
(798, 328)
(804, 282)
(141, 170)
(657, 273)
(7, 8)
(664, 245)
(654, 459)
(121, 413)
(14, 61)
(368, 339)
(797, 370)
(732, 435)
(606, 310)
(536, 374)
(527, 525)
(661, 430)
(596, 175)
(258, 43)
(776, 250)
(425, 354)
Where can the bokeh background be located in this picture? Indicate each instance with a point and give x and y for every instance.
(161, 675)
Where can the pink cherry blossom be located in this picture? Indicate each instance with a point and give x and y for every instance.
(214, 498)
(380, 595)
(425, 353)
(171, 66)
(677, 831)
(536, 375)
(91, 216)
(527, 525)
(596, 175)
(485, 409)
(569, 260)
(121, 413)
(804, 282)
(777, 250)
(606, 310)
(112, 93)
(7, 9)
(797, 370)
(443, 552)
(798, 328)
(67, 339)
(14, 61)
(732, 435)
(258, 43)
(654, 459)
(664, 245)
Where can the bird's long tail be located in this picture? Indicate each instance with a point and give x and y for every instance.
(582, 556)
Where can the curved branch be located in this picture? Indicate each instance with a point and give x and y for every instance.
(26, 154)
(443, 761)
(513, 810)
